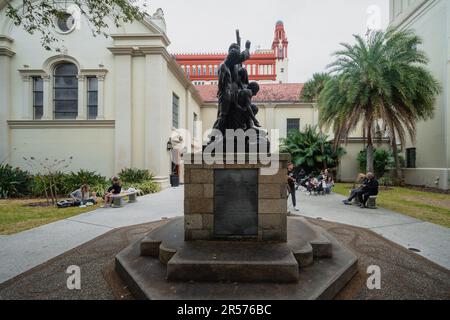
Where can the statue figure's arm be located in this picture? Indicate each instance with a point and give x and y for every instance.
(245, 55)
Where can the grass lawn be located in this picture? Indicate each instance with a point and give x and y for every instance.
(17, 215)
(426, 206)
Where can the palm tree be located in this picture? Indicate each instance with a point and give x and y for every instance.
(383, 78)
(311, 92)
(312, 89)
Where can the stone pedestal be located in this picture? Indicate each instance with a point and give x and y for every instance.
(238, 200)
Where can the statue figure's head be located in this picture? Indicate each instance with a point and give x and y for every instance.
(234, 53)
(254, 87)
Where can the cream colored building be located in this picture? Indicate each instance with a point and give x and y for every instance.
(110, 103)
(431, 21)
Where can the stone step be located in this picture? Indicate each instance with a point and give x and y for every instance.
(233, 262)
(307, 242)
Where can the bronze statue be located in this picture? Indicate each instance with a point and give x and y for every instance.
(235, 94)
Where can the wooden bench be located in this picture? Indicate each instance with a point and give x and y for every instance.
(118, 199)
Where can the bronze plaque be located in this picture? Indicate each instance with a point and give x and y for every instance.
(236, 202)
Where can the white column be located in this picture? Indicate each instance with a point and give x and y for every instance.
(101, 98)
(48, 98)
(27, 107)
(123, 109)
(82, 102)
(158, 115)
(5, 106)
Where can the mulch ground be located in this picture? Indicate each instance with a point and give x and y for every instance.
(404, 275)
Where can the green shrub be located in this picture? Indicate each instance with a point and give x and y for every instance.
(75, 180)
(42, 182)
(14, 182)
(133, 175)
(65, 183)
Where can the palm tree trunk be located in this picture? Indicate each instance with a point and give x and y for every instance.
(324, 162)
(369, 150)
(398, 170)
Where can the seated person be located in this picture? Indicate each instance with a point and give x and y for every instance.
(115, 189)
(329, 184)
(83, 195)
(370, 188)
(356, 192)
(313, 185)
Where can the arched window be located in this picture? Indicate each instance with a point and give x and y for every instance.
(65, 95)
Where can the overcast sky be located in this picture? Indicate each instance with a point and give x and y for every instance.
(314, 27)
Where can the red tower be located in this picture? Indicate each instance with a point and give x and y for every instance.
(280, 42)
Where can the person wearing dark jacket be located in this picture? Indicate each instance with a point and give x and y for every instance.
(291, 184)
(370, 188)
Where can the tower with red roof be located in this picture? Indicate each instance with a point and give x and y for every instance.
(280, 48)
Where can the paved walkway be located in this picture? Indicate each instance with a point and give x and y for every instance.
(25, 250)
(432, 240)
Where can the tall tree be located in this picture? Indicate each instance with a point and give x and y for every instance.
(312, 89)
(40, 16)
(382, 77)
(310, 93)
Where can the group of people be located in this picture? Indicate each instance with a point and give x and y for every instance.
(83, 197)
(324, 182)
(321, 184)
(368, 187)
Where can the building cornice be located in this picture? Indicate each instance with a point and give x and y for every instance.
(404, 19)
(57, 124)
(7, 39)
(5, 51)
(142, 36)
(93, 72)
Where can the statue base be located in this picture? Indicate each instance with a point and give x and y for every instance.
(235, 198)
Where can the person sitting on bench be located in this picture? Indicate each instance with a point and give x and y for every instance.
(369, 189)
(115, 189)
(357, 192)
